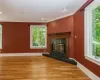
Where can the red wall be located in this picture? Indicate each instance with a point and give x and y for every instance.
(16, 38)
(63, 25)
(75, 25)
(79, 42)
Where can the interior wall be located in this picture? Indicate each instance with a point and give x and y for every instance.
(75, 25)
(61, 26)
(16, 38)
(79, 42)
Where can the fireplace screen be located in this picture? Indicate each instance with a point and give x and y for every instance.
(58, 45)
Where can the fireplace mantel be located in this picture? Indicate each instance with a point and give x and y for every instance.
(55, 53)
(61, 33)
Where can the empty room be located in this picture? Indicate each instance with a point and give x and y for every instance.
(49, 39)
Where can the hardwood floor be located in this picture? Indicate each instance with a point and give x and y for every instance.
(38, 68)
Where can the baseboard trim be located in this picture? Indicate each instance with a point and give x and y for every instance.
(19, 54)
(87, 71)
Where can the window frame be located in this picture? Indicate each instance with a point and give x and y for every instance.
(88, 32)
(1, 36)
(39, 26)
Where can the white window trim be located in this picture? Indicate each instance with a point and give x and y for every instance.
(1, 36)
(88, 32)
(33, 47)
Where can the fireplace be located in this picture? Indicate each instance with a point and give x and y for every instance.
(58, 47)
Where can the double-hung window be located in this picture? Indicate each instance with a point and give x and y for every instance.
(38, 36)
(92, 32)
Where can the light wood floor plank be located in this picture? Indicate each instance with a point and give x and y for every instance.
(38, 68)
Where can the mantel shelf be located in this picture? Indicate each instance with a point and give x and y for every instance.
(61, 33)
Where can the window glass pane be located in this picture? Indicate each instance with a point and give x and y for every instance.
(96, 32)
(0, 39)
(0, 29)
(38, 36)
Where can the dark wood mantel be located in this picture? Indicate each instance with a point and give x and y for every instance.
(62, 33)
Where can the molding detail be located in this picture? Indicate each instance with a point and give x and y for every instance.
(61, 17)
(87, 71)
(19, 54)
(93, 59)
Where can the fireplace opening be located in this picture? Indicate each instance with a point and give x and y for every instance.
(58, 47)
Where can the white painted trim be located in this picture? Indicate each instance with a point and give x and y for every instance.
(87, 71)
(19, 54)
(1, 37)
(70, 14)
(61, 17)
(93, 59)
(32, 47)
(88, 40)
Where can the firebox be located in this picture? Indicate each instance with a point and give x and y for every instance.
(58, 47)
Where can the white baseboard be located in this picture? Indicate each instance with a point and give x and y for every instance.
(87, 71)
(20, 54)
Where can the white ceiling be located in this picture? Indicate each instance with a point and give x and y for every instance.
(35, 10)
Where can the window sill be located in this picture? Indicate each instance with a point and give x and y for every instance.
(93, 59)
(38, 47)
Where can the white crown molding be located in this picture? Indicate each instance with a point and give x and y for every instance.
(8, 19)
(87, 71)
(70, 14)
(19, 54)
(57, 18)
(21, 15)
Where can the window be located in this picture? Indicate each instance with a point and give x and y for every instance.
(92, 32)
(96, 32)
(38, 36)
(0, 36)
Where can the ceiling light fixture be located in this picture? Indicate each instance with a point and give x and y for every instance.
(0, 12)
(65, 10)
(42, 19)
